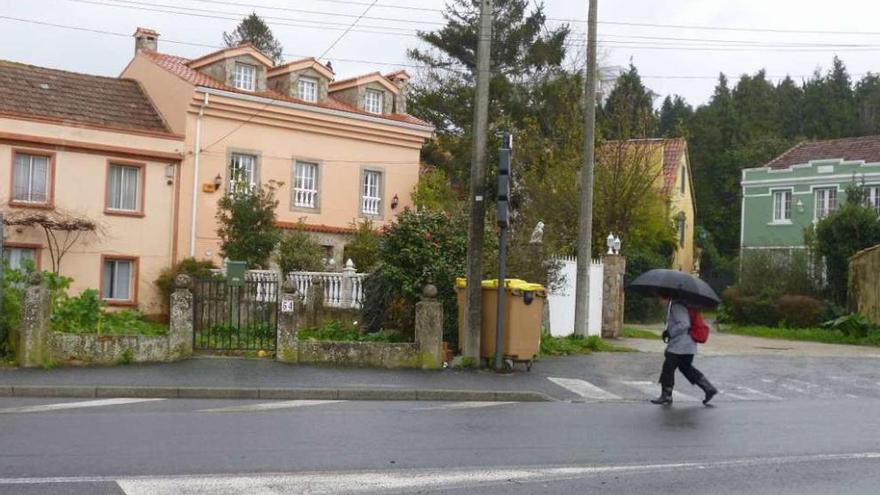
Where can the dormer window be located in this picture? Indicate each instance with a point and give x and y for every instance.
(245, 77)
(307, 89)
(374, 101)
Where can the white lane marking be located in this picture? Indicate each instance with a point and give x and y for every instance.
(465, 405)
(72, 405)
(746, 393)
(584, 389)
(406, 480)
(652, 388)
(270, 406)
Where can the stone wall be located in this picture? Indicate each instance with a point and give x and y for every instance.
(38, 346)
(360, 354)
(108, 349)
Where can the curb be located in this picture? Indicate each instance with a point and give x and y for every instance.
(117, 391)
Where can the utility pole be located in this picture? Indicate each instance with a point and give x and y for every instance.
(585, 211)
(471, 345)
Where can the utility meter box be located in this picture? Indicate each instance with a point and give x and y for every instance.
(235, 272)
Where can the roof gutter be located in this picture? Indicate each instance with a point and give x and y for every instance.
(197, 153)
(310, 108)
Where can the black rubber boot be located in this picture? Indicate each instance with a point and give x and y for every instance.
(665, 398)
(708, 388)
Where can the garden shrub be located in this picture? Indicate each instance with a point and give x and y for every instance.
(363, 249)
(852, 325)
(421, 247)
(188, 266)
(750, 310)
(15, 282)
(799, 311)
(638, 308)
(335, 331)
(86, 313)
(298, 252)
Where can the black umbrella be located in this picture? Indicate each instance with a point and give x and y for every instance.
(682, 286)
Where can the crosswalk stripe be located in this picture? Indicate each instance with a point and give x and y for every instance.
(584, 389)
(72, 405)
(465, 405)
(270, 406)
(653, 388)
(751, 394)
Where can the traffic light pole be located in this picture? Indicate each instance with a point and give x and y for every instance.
(503, 224)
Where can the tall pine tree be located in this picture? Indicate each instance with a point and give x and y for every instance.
(252, 29)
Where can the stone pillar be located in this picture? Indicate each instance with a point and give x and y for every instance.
(348, 284)
(288, 318)
(34, 337)
(429, 328)
(180, 332)
(612, 295)
(314, 307)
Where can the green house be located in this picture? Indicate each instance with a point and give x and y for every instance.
(801, 186)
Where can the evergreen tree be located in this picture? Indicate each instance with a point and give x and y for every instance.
(629, 110)
(829, 106)
(756, 108)
(252, 29)
(675, 117)
(789, 114)
(867, 99)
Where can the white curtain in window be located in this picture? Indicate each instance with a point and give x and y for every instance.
(305, 184)
(31, 178)
(241, 169)
(124, 187)
(117, 279)
(371, 198)
(17, 257)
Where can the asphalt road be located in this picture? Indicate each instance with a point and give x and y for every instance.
(797, 444)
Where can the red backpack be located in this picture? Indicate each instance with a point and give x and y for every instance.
(699, 330)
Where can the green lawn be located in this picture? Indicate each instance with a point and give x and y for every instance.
(566, 346)
(822, 335)
(639, 333)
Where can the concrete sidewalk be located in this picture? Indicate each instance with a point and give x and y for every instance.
(227, 378)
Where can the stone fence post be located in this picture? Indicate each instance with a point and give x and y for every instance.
(612, 295)
(288, 323)
(348, 284)
(180, 332)
(33, 340)
(429, 328)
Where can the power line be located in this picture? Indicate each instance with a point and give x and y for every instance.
(274, 99)
(315, 12)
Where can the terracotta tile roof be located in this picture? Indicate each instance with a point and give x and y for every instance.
(178, 66)
(324, 229)
(672, 151)
(77, 98)
(865, 148)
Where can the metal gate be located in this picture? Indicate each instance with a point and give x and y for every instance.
(229, 318)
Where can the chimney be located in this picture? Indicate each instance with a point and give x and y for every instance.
(145, 39)
(401, 80)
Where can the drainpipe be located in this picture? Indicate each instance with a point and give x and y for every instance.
(195, 192)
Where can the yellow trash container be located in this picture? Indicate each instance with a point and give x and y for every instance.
(523, 315)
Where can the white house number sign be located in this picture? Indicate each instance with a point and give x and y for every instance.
(287, 305)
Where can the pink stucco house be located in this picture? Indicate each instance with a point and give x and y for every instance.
(148, 154)
(95, 148)
(345, 150)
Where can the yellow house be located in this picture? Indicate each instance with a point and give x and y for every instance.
(95, 150)
(668, 158)
(344, 150)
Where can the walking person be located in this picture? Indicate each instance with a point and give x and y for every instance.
(680, 351)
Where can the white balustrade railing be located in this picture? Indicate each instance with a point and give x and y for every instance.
(341, 289)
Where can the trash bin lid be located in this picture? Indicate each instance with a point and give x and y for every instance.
(510, 283)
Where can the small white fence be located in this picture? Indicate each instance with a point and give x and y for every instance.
(562, 300)
(343, 290)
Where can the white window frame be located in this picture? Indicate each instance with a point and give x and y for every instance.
(132, 275)
(374, 101)
(305, 184)
(137, 187)
(237, 161)
(244, 77)
(371, 193)
(828, 204)
(307, 89)
(787, 196)
(29, 194)
(872, 196)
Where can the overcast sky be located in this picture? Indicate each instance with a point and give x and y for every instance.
(687, 65)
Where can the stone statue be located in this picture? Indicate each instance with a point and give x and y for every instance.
(537, 234)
